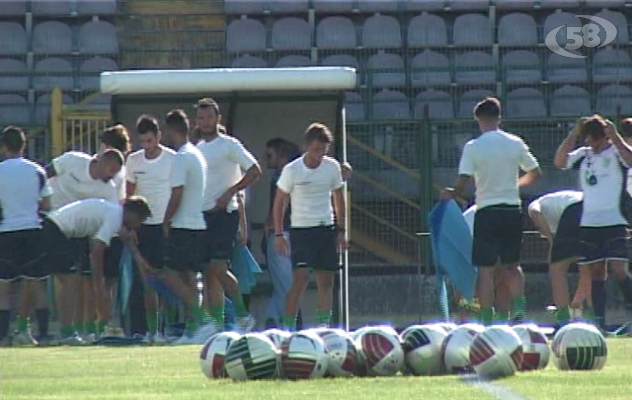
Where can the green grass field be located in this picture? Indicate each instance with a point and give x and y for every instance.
(174, 373)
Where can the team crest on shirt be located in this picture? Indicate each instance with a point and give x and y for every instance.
(606, 162)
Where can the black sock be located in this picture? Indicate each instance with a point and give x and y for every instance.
(299, 321)
(5, 319)
(599, 301)
(626, 290)
(43, 316)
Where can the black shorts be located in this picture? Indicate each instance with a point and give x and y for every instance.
(111, 259)
(315, 248)
(151, 244)
(606, 243)
(185, 250)
(566, 242)
(497, 235)
(221, 230)
(20, 255)
(61, 255)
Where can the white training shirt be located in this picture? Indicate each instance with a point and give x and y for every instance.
(603, 201)
(22, 185)
(153, 180)
(494, 159)
(73, 181)
(226, 158)
(469, 216)
(91, 218)
(189, 170)
(552, 206)
(310, 191)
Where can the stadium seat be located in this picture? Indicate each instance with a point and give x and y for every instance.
(390, 105)
(51, 7)
(611, 96)
(381, 32)
(557, 19)
(294, 61)
(619, 21)
(515, 4)
(98, 37)
(232, 7)
(354, 107)
(430, 68)
(333, 6)
(340, 60)
(247, 61)
(12, 38)
(472, 30)
(439, 104)
(517, 29)
(521, 66)
(526, 103)
(336, 33)
(475, 67)
(565, 69)
(42, 107)
(14, 110)
(605, 3)
(91, 7)
(385, 70)
(52, 37)
(559, 4)
(287, 6)
(91, 69)
(378, 5)
(424, 5)
(53, 72)
(291, 34)
(469, 99)
(463, 5)
(244, 35)
(13, 75)
(427, 30)
(570, 101)
(609, 65)
(13, 8)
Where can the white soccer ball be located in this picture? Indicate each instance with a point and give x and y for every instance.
(213, 354)
(579, 346)
(447, 326)
(535, 347)
(381, 351)
(455, 350)
(496, 352)
(341, 351)
(252, 356)
(422, 349)
(303, 356)
(277, 336)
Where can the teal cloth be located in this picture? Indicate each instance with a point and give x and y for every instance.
(245, 268)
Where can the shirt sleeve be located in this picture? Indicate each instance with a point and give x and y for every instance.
(575, 158)
(285, 182)
(110, 227)
(64, 163)
(239, 155)
(467, 165)
(528, 161)
(119, 183)
(130, 167)
(178, 171)
(337, 181)
(45, 189)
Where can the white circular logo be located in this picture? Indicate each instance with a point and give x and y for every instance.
(586, 36)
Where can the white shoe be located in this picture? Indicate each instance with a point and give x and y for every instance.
(89, 339)
(72, 340)
(244, 324)
(203, 333)
(184, 340)
(160, 340)
(113, 331)
(24, 339)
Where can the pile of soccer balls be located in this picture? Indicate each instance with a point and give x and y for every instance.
(493, 352)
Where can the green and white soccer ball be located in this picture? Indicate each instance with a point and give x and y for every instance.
(579, 346)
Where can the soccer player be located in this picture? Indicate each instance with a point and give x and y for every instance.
(184, 224)
(226, 158)
(76, 176)
(24, 192)
(148, 175)
(494, 160)
(603, 165)
(556, 216)
(311, 181)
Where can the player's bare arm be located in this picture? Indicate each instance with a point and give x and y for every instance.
(624, 150)
(278, 211)
(561, 155)
(250, 177)
(45, 204)
(50, 170)
(340, 211)
(130, 188)
(461, 184)
(172, 207)
(530, 177)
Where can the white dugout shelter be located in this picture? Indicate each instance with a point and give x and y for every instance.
(256, 105)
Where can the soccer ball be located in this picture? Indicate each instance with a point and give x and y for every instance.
(447, 326)
(341, 352)
(535, 347)
(381, 351)
(277, 336)
(496, 352)
(422, 349)
(579, 346)
(213, 354)
(252, 356)
(455, 350)
(303, 356)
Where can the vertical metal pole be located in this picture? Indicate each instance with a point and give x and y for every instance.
(344, 281)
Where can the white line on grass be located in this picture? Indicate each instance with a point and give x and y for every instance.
(495, 390)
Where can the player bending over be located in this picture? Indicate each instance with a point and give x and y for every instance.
(311, 181)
